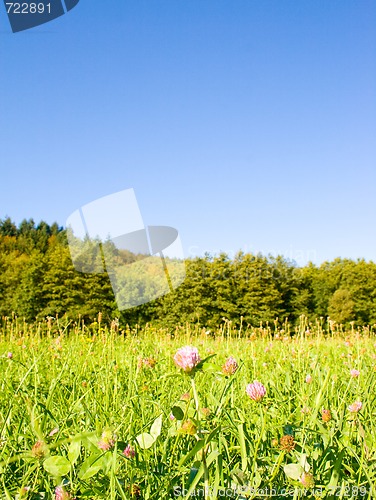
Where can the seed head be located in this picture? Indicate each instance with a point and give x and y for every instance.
(188, 427)
(135, 490)
(287, 443)
(39, 450)
(326, 415)
(206, 412)
(185, 397)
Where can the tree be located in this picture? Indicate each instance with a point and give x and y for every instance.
(7, 227)
(257, 294)
(29, 296)
(341, 306)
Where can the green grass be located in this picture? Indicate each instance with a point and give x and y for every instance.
(65, 385)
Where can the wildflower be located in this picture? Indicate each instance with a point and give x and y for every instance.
(54, 431)
(188, 427)
(185, 397)
(287, 443)
(275, 442)
(172, 417)
(129, 451)
(230, 367)
(10, 355)
(107, 440)
(308, 379)
(187, 358)
(307, 480)
(62, 494)
(306, 410)
(354, 373)
(39, 450)
(355, 407)
(326, 415)
(256, 391)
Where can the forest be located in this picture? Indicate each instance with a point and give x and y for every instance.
(38, 280)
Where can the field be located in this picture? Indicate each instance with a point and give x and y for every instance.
(101, 413)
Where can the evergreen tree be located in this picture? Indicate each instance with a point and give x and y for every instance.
(7, 227)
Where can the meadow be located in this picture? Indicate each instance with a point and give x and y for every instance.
(97, 412)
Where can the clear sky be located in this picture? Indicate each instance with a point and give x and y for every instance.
(246, 124)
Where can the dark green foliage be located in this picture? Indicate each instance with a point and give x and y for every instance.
(7, 227)
(37, 279)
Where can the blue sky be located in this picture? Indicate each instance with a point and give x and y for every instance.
(246, 124)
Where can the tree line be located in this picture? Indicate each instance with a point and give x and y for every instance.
(38, 280)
